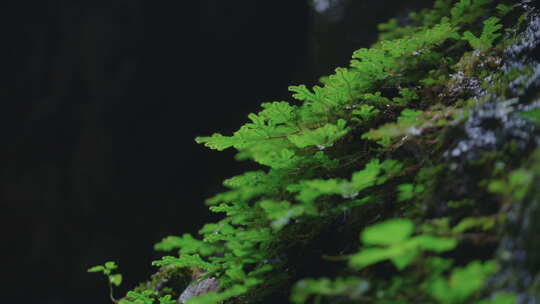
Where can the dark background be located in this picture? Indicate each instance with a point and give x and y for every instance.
(101, 102)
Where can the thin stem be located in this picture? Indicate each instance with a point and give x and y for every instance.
(111, 296)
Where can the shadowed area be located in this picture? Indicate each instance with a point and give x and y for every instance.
(99, 114)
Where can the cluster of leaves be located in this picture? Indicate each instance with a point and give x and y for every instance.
(489, 34)
(113, 279)
(331, 154)
(108, 270)
(146, 296)
(438, 282)
(249, 235)
(397, 245)
(515, 184)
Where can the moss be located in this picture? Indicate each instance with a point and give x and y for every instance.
(166, 281)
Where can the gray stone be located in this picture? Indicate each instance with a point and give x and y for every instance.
(198, 288)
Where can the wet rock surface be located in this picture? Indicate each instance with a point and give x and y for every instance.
(524, 56)
(494, 123)
(519, 251)
(198, 288)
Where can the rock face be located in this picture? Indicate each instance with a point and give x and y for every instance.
(519, 249)
(494, 124)
(198, 288)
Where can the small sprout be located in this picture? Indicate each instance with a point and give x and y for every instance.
(112, 278)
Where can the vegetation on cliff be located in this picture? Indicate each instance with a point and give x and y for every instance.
(396, 180)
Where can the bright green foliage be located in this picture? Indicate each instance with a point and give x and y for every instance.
(407, 96)
(365, 144)
(352, 287)
(187, 260)
(395, 57)
(500, 298)
(146, 297)
(392, 30)
(388, 233)
(187, 243)
(107, 269)
(321, 137)
(442, 225)
(275, 135)
(292, 138)
(460, 13)
(483, 223)
(394, 242)
(503, 9)
(418, 20)
(462, 282)
(409, 191)
(439, 225)
(280, 213)
(113, 279)
(265, 133)
(365, 112)
(515, 186)
(532, 115)
(409, 123)
(246, 187)
(489, 34)
(468, 11)
(309, 190)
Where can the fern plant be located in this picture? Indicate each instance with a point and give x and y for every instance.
(347, 151)
(489, 34)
